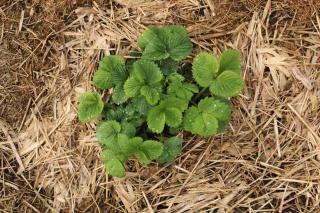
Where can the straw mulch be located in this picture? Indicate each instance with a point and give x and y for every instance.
(268, 160)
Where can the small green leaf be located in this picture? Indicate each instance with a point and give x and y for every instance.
(111, 71)
(228, 84)
(129, 146)
(90, 106)
(162, 43)
(182, 90)
(142, 157)
(107, 134)
(219, 108)
(191, 114)
(132, 86)
(151, 94)
(205, 125)
(147, 72)
(204, 68)
(230, 60)
(171, 101)
(102, 79)
(156, 119)
(128, 129)
(173, 117)
(152, 149)
(172, 148)
(113, 164)
(149, 36)
(118, 95)
(178, 43)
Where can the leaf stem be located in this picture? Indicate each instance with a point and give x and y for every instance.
(203, 90)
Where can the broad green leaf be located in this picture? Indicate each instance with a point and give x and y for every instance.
(156, 119)
(230, 60)
(205, 125)
(132, 86)
(140, 105)
(107, 134)
(147, 72)
(152, 149)
(128, 129)
(111, 71)
(90, 106)
(155, 51)
(149, 36)
(191, 114)
(113, 163)
(175, 77)
(142, 157)
(145, 80)
(151, 94)
(162, 43)
(102, 79)
(228, 84)
(173, 117)
(112, 62)
(204, 68)
(171, 101)
(129, 146)
(182, 90)
(178, 43)
(172, 148)
(118, 95)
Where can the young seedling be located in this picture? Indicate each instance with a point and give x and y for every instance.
(152, 100)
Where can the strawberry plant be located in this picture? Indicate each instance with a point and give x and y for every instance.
(154, 97)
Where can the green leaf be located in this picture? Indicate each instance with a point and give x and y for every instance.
(204, 68)
(111, 71)
(156, 119)
(142, 157)
(230, 60)
(191, 114)
(228, 84)
(118, 95)
(173, 117)
(174, 102)
(205, 125)
(149, 36)
(147, 72)
(90, 106)
(128, 129)
(162, 43)
(102, 79)
(172, 148)
(145, 80)
(205, 120)
(113, 164)
(111, 62)
(107, 134)
(129, 146)
(182, 90)
(219, 108)
(169, 111)
(132, 86)
(178, 43)
(152, 95)
(152, 149)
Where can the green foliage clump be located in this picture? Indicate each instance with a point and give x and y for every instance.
(153, 98)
